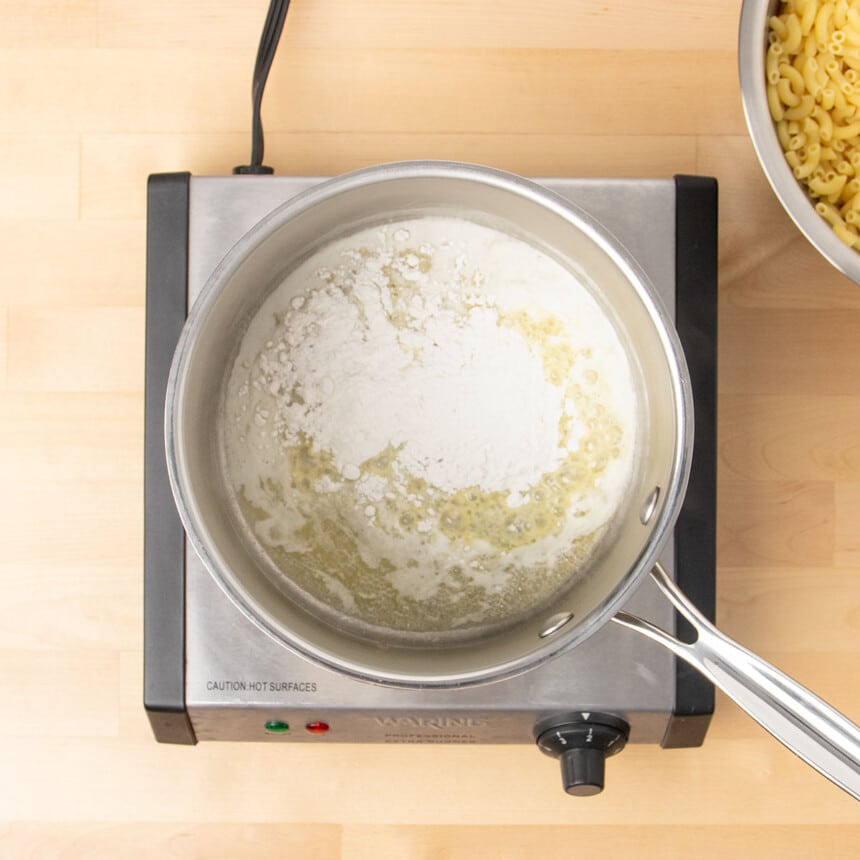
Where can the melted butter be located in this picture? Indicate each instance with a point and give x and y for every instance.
(547, 335)
(481, 528)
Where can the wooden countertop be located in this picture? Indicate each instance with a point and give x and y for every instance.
(96, 95)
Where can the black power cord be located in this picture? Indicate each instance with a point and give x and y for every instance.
(272, 30)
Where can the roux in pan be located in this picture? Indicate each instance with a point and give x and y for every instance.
(429, 426)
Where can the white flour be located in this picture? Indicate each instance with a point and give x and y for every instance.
(422, 415)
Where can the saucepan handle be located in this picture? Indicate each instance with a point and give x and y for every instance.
(796, 717)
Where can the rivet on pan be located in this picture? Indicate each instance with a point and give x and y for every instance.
(555, 623)
(649, 506)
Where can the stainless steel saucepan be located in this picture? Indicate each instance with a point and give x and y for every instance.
(258, 263)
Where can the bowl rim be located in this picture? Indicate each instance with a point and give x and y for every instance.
(752, 39)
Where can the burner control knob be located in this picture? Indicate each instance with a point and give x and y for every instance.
(581, 742)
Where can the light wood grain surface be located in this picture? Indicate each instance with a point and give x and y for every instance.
(95, 95)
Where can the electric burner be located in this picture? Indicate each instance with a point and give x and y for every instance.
(211, 674)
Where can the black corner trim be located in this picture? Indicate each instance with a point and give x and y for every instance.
(695, 532)
(163, 543)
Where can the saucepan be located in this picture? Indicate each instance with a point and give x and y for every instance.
(448, 659)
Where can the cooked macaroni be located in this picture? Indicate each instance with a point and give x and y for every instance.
(812, 68)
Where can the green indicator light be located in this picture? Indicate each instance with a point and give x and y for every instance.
(277, 727)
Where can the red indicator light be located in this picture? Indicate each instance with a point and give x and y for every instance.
(317, 727)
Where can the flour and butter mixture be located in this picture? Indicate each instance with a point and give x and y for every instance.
(429, 426)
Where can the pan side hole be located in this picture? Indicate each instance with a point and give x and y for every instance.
(649, 506)
(554, 623)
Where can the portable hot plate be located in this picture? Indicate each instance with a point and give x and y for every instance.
(212, 674)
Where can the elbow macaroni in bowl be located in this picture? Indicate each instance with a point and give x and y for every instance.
(812, 67)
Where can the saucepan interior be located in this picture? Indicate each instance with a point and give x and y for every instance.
(208, 348)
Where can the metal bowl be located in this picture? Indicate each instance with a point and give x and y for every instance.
(752, 45)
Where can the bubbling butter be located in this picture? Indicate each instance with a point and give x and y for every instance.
(429, 426)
